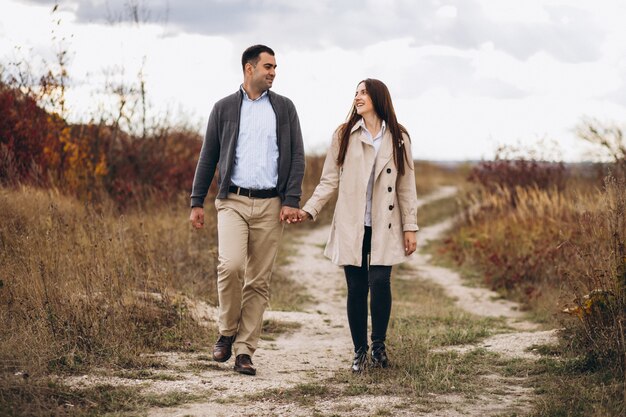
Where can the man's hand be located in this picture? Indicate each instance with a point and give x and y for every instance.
(289, 215)
(197, 217)
(410, 243)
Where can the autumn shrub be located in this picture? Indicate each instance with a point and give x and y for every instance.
(568, 245)
(598, 271)
(513, 169)
(160, 165)
(89, 160)
(514, 248)
(29, 144)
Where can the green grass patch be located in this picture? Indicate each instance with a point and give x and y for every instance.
(199, 366)
(438, 210)
(172, 399)
(569, 386)
(303, 394)
(458, 328)
(148, 374)
(423, 321)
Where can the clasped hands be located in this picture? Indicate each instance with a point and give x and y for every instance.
(293, 215)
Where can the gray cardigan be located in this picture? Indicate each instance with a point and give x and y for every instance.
(220, 142)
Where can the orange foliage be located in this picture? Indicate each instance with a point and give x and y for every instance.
(43, 149)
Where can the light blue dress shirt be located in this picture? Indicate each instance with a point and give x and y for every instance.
(256, 156)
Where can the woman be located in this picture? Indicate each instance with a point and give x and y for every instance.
(369, 162)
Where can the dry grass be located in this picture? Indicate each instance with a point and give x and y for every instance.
(312, 175)
(423, 320)
(83, 287)
(438, 210)
(554, 250)
(285, 293)
(429, 176)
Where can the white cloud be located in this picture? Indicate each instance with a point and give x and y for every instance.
(464, 75)
(447, 12)
(543, 74)
(527, 11)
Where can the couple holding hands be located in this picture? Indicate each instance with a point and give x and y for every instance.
(254, 140)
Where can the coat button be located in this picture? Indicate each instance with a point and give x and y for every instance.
(388, 170)
(390, 225)
(389, 189)
(390, 207)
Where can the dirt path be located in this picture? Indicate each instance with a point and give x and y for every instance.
(482, 302)
(322, 346)
(312, 353)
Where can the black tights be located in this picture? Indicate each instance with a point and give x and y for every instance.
(361, 280)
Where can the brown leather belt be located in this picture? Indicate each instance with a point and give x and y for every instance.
(253, 193)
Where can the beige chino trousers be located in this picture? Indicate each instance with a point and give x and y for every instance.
(248, 232)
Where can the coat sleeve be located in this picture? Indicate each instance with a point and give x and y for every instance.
(296, 173)
(407, 194)
(209, 155)
(329, 181)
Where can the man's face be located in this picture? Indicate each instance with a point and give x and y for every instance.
(262, 75)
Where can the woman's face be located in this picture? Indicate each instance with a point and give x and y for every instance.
(363, 101)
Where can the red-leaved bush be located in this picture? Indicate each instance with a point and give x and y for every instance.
(508, 172)
(40, 148)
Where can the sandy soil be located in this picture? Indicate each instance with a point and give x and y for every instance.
(322, 346)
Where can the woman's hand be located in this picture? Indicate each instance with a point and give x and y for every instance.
(410, 243)
(303, 215)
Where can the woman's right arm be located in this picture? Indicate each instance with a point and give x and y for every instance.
(328, 182)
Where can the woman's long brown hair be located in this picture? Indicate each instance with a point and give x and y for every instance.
(381, 99)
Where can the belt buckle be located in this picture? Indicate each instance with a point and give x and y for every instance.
(240, 192)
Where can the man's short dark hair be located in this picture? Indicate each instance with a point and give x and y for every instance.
(252, 54)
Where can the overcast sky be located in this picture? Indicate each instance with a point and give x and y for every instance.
(465, 76)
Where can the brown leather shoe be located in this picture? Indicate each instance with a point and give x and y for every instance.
(243, 365)
(222, 350)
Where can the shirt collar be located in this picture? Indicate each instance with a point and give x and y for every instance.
(361, 124)
(245, 95)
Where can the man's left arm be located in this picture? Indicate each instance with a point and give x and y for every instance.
(293, 191)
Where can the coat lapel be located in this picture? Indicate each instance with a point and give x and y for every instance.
(362, 137)
(385, 153)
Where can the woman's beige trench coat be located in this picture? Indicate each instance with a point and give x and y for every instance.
(394, 200)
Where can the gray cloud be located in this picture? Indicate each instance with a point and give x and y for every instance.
(572, 35)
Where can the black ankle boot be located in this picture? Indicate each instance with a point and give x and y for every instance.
(379, 355)
(360, 360)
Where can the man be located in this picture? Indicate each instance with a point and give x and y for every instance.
(254, 138)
